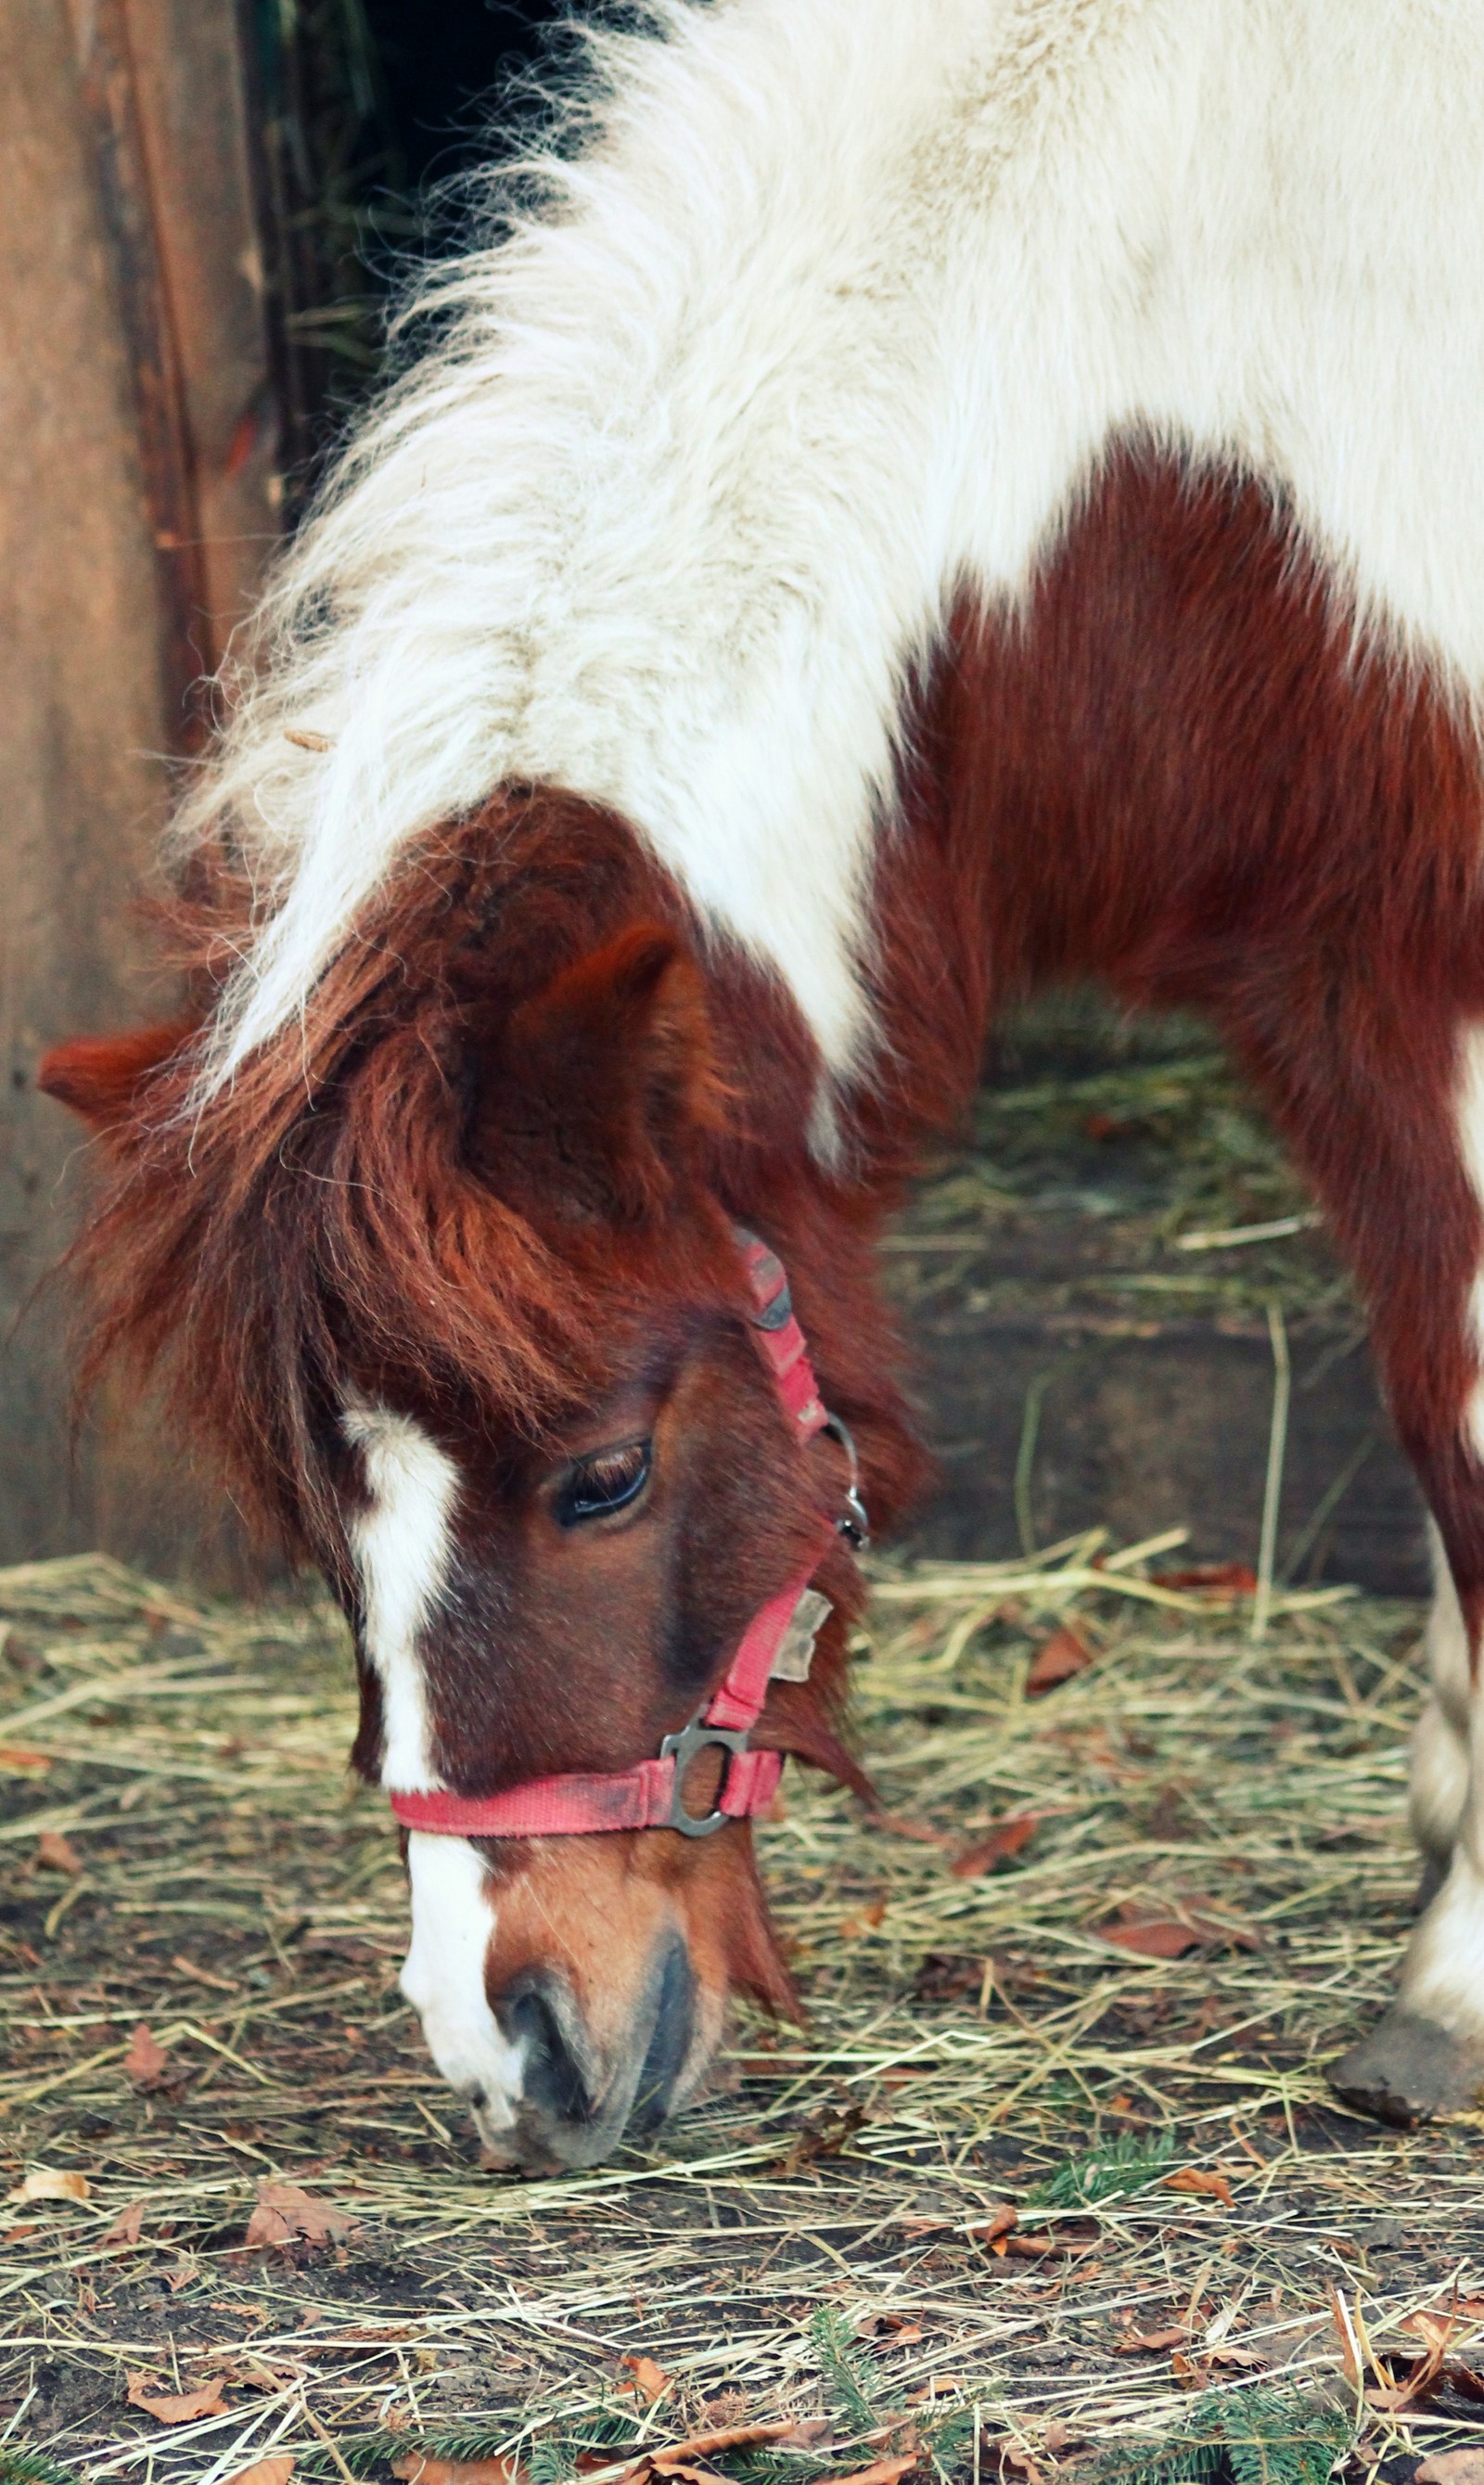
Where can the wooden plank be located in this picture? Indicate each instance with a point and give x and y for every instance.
(90, 672)
(191, 84)
(1169, 1428)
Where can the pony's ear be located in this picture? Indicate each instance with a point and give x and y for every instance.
(100, 1075)
(599, 1082)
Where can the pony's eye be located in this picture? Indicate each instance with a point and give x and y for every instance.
(596, 1486)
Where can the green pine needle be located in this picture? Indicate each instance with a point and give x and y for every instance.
(1110, 2173)
(847, 2369)
(1259, 2437)
(21, 2467)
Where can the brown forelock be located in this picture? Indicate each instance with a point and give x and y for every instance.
(337, 1213)
(1184, 767)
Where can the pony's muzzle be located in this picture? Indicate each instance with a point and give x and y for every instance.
(578, 2096)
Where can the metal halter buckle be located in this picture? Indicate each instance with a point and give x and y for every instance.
(855, 1526)
(682, 1749)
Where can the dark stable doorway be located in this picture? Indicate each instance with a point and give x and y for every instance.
(445, 65)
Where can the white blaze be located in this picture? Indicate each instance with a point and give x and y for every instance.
(400, 1543)
(443, 1977)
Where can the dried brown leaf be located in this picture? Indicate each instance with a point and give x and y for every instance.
(1153, 2342)
(1198, 2178)
(420, 2469)
(285, 2215)
(126, 2225)
(146, 2059)
(1215, 1578)
(175, 2407)
(1152, 1935)
(57, 1852)
(52, 2183)
(649, 2381)
(275, 2470)
(1451, 2468)
(996, 1846)
(1000, 2222)
(1056, 1660)
(882, 2471)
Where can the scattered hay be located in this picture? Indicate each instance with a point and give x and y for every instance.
(1139, 1138)
(1051, 2178)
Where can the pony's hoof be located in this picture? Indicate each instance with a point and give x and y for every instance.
(1411, 2070)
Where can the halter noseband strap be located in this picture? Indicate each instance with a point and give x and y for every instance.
(650, 1795)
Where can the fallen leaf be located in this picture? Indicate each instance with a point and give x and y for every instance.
(852, 1926)
(999, 2223)
(1219, 1579)
(57, 1852)
(16, 1755)
(1153, 2342)
(824, 2133)
(882, 2471)
(1057, 1658)
(126, 2227)
(1170, 1936)
(146, 2058)
(938, 2386)
(273, 2471)
(52, 2183)
(426, 2471)
(1451, 2468)
(649, 2381)
(793, 2436)
(996, 1846)
(1150, 1936)
(285, 2214)
(1196, 2178)
(181, 2407)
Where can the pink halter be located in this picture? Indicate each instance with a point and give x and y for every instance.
(651, 1795)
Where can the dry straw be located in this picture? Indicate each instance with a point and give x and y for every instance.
(183, 1851)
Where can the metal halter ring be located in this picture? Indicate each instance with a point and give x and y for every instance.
(682, 1749)
(855, 1526)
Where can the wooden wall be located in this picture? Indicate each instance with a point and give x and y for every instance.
(138, 502)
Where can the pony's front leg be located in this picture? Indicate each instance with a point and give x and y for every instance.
(1440, 1747)
(1378, 1084)
(1426, 2057)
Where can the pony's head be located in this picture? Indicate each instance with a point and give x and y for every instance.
(451, 1275)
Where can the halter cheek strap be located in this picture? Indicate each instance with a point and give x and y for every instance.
(650, 1795)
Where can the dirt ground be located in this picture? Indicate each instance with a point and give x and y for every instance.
(1194, 2216)
(1050, 2180)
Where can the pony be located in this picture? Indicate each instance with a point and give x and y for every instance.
(901, 502)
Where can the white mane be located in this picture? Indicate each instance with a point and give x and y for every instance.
(829, 317)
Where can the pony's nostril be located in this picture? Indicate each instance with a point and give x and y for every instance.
(552, 2078)
(670, 2041)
